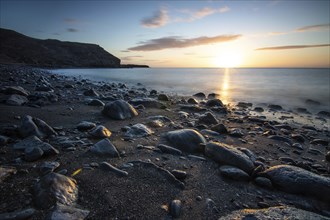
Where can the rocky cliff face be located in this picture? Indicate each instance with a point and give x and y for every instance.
(18, 48)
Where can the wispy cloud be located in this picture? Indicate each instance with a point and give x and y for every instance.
(276, 33)
(158, 19)
(127, 58)
(318, 27)
(288, 47)
(201, 13)
(72, 30)
(179, 42)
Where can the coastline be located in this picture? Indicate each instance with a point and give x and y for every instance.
(63, 102)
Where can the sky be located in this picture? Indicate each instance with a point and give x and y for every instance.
(184, 33)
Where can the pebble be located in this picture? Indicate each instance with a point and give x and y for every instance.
(100, 132)
(263, 182)
(200, 95)
(105, 147)
(108, 167)
(33, 153)
(208, 119)
(85, 126)
(179, 174)
(138, 130)
(48, 167)
(220, 128)
(62, 212)
(16, 100)
(175, 208)
(169, 150)
(163, 97)
(327, 156)
(96, 102)
(192, 101)
(234, 173)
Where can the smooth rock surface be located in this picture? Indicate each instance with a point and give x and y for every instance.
(16, 100)
(34, 126)
(234, 173)
(187, 140)
(119, 110)
(100, 132)
(138, 130)
(105, 147)
(228, 155)
(208, 119)
(294, 179)
(53, 188)
(85, 126)
(175, 208)
(18, 215)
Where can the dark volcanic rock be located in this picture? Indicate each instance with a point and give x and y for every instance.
(34, 126)
(220, 128)
(169, 150)
(91, 92)
(119, 110)
(324, 114)
(200, 95)
(33, 153)
(85, 126)
(175, 208)
(234, 173)
(228, 155)
(214, 102)
(35, 142)
(138, 130)
(163, 97)
(52, 53)
(96, 102)
(187, 140)
(278, 212)
(213, 96)
(108, 167)
(275, 107)
(105, 147)
(192, 101)
(54, 188)
(16, 100)
(10, 90)
(208, 119)
(100, 132)
(297, 180)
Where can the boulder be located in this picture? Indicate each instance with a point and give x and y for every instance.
(85, 126)
(163, 97)
(35, 126)
(234, 173)
(119, 110)
(187, 140)
(138, 130)
(100, 132)
(62, 212)
(16, 100)
(208, 119)
(214, 102)
(296, 180)
(200, 95)
(53, 188)
(220, 128)
(105, 147)
(10, 90)
(229, 155)
(96, 102)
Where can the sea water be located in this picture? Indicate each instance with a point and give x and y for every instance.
(289, 88)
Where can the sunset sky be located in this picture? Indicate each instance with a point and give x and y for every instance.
(185, 33)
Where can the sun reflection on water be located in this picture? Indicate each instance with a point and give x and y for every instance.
(224, 89)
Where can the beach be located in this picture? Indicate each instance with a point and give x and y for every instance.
(107, 150)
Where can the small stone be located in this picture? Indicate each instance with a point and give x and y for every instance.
(213, 95)
(108, 167)
(100, 132)
(214, 102)
(320, 141)
(258, 109)
(179, 174)
(3, 140)
(220, 128)
(105, 147)
(236, 132)
(9, 90)
(169, 150)
(91, 92)
(62, 212)
(192, 101)
(208, 119)
(138, 130)
(18, 215)
(298, 146)
(163, 97)
(85, 126)
(200, 95)
(199, 198)
(275, 107)
(33, 153)
(48, 166)
(6, 172)
(327, 156)
(175, 208)
(263, 182)
(234, 173)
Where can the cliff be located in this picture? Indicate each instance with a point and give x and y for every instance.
(16, 48)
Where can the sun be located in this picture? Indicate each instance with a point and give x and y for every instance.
(228, 59)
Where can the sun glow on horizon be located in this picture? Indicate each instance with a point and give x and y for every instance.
(228, 59)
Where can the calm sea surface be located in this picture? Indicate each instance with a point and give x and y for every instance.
(287, 87)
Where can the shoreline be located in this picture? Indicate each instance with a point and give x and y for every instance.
(147, 190)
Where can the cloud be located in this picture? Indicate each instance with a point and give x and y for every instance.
(288, 47)
(179, 42)
(224, 9)
(158, 19)
(317, 27)
(72, 30)
(130, 57)
(276, 33)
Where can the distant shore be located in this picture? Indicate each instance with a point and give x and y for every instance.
(146, 179)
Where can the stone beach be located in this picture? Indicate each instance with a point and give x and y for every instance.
(72, 148)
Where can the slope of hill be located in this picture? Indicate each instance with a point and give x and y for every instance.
(16, 48)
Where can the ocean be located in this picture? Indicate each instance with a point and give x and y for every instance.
(290, 88)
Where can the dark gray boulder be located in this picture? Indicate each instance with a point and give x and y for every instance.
(214, 102)
(35, 142)
(277, 212)
(187, 140)
(299, 181)
(163, 97)
(18, 215)
(105, 147)
(16, 100)
(229, 155)
(53, 188)
(119, 110)
(220, 128)
(138, 130)
(169, 150)
(100, 132)
(10, 90)
(234, 173)
(85, 126)
(208, 119)
(96, 102)
(33, 153)
(35, 126)
(200, 95)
